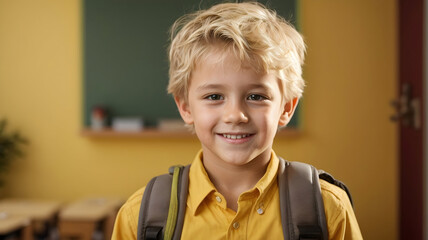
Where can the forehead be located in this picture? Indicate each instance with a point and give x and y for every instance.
(222, 57)
(220, 63)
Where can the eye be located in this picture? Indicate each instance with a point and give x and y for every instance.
(214, 97)
(256, 97)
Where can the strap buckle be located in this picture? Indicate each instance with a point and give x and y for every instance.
(310, 233)
(153, 233)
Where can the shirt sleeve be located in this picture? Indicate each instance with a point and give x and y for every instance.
(341, 221)
(125, 227)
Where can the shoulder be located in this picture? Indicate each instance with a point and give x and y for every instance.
(336, 201)
(135, 198)
(132, 205)
(340, 216)
(127, 219)
(334, 194)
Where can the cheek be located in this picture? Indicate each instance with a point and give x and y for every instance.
(204, 116)
(268, 116)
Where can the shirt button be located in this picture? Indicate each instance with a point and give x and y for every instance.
(235, 225)
(260, 211)
(218, 199)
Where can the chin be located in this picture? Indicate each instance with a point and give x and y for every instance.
(239, 160)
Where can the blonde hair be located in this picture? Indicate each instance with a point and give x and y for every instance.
(255, 34)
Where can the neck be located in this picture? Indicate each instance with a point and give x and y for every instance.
(232, 180)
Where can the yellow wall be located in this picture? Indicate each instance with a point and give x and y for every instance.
(351, 76)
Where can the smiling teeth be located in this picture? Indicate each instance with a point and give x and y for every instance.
(235, 136)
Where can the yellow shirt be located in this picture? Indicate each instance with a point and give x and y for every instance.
(258, 216)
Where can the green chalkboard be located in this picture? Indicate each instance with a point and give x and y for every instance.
(125, 54)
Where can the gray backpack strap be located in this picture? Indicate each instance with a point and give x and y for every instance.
(155, 206)
(301, 204)
(183, 190)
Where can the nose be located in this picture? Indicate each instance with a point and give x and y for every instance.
(235, 113)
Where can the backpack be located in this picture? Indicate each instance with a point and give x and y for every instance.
(302, 209)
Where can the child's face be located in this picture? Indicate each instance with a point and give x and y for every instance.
(235, 111)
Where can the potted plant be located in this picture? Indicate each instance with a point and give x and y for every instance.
(10, 147)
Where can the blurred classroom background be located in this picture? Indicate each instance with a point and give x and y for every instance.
(351, 72)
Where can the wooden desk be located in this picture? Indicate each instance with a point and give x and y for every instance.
(37, 210)
(42, 214)
(33, 217)
(82, 218)
(15, 226)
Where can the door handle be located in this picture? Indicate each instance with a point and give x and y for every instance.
(407, 108)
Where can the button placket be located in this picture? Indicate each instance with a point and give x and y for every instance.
(260, 209)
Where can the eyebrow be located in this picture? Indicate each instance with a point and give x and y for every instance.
(209, 86)
(259, 85)
(220, 86)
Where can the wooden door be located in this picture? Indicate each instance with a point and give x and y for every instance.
(411, 118)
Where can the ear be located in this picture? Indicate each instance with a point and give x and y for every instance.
(184, 109)
(288, 111)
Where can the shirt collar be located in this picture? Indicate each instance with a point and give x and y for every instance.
(200, 186)
(270, 175)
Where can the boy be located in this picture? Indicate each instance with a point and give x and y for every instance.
(235, 74)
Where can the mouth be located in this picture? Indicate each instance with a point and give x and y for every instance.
(235, 136)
